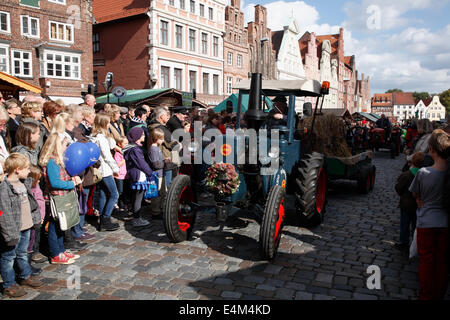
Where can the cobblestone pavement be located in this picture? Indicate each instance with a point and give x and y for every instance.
(327, 262)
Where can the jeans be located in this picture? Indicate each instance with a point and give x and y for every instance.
(432, 245)
(168, 178)
(108, 196)
(55, 238)
(407, 226)
(18, 253)
(77, 231)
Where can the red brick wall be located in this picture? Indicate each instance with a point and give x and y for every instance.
(55, 12)
(124, 52)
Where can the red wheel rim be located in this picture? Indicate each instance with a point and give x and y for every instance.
(321, 190)
(280, 220)
(184, 220)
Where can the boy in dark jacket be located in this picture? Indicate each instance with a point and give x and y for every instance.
(19, 212)
(408, 204)
(139, 172)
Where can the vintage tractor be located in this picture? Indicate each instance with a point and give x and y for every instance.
(379, 140)
(281, 164)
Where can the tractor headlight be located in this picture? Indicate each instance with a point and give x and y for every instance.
(274, 152)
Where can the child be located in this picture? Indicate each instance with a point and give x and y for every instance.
(19, 214)
(432, 220)
(408, 205)
(109, 169)
(36, 174)
(157, 163)
(121, 163)
(139, 172)
(58, 183)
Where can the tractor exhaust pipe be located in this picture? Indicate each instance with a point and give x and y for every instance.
(255, 116)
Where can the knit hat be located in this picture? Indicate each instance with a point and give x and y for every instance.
(135, 134)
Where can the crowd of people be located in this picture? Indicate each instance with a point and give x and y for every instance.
(424, 190)
(135, 144)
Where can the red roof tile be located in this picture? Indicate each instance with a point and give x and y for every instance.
(404, 98)
(108, 10)
(380, 100)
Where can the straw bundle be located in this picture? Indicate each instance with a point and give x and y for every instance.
(328, 137)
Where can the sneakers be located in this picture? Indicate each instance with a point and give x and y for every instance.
(61, 259)
(32, 282)
(70, 255)
(75, 245)
(14, 291)
(38, 257)
(85, 236)
(139, 222)
(107, 225)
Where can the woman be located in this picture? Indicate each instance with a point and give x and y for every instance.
(88, 115)
(27, 138)
(58, 183)
(32, 112)
(4, 140)
(109, 170)
(115, 127)
(51, 110)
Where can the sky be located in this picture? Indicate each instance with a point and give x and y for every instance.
(402, 44)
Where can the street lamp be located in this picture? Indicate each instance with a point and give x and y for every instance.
(262, 41)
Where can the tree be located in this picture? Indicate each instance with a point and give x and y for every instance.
(394, 90)
(421, 96)
(445, 100)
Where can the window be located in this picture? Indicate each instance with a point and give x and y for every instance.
(192, 80)
(5, 22)
(192, 6)
(58, 1)
(204, 43)
(216, 46)
(21, 63)
(61, 31)
(179, 36)
(211, 13)
(177, 74)
(164, 32)
(96, 42)
(229, 84)
(165, 71)
(216, 84)
(202, 10)
(191, 40)
(239, 61)
(30, 3)
(206, 83)
(182, 5)
(172, 3)
(95, 79)
(4, 58)
(62, 65)
(230, 58)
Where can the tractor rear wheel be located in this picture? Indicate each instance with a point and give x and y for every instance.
(178, 216)
(372, 177)
(272, 222)
(364, 181)
(311, 192)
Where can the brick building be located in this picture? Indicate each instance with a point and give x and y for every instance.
(383, 103)
(235, 47)
(262, 55)
(161, 44)
(48, 43)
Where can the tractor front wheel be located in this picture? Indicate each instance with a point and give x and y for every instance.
(272, 222)
(312, 184)
(178, 216)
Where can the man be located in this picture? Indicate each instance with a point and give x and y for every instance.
(385, 124)
(89, 99)
(280, 108)
(2, 100)
(139, 120)
(13, 108)
(176, 121)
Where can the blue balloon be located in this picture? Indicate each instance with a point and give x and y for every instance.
(76, 158)
(94, 153)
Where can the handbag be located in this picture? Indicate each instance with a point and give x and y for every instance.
(64, 209)
(152, 191)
